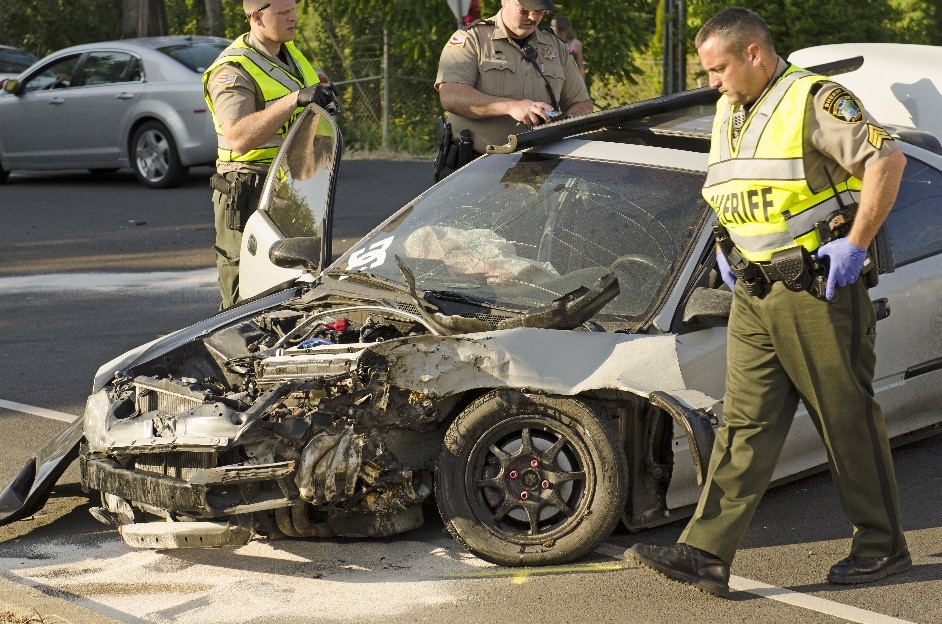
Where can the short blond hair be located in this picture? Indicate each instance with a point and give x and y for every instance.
(251, 6)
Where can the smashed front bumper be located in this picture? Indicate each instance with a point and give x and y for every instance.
(208, 493)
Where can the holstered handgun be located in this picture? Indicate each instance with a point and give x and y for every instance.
(747, 274)
(242, 191)
(446, 149)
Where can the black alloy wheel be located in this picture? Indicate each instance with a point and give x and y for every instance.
(530, 479)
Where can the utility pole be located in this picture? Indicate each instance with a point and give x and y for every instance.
(460, 8)
(387, 76)
(675, 56)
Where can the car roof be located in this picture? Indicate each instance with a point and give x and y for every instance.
(149, 43)
(899, 84)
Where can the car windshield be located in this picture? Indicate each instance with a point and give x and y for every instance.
(518, 231)
(195, 56)
(15, 61)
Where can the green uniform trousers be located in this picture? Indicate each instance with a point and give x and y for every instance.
(781, 348)
(228, 244)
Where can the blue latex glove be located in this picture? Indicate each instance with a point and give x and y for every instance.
(846, 262)
(723, 266)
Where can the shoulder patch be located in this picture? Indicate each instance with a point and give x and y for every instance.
(457, 40)
(841, 105)
(226, 80)
(877, 135)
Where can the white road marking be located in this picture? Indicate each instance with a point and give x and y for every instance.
(812, 603)
(109, 282)
(787, 596)
(37, 411)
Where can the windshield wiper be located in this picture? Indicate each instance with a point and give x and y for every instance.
(366, 277)
(566, 312)
(434, 296)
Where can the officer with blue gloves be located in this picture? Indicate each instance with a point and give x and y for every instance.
(801, 179)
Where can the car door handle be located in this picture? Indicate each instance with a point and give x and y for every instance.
(124, 95)
(56, 101)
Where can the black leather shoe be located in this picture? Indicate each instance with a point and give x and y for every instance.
(686, 564)
(866, 569)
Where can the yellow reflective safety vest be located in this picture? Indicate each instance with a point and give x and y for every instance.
(756, 182)
(274, 83)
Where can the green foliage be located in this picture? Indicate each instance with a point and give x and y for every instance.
(797, 24)
(345, 38)
(44, 26)
(188, 17)
(921, 21)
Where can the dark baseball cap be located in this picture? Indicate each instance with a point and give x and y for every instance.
(536, 5)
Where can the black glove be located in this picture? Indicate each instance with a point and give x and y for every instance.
(324, 95)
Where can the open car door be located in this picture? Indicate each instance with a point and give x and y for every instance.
(288, 237)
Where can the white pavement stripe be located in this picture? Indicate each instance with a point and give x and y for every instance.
(109, 282)
(37, 411)
(787, 596)
(812, 603)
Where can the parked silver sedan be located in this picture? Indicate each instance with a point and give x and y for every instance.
(103, 106)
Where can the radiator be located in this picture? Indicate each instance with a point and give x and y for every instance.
(165, 396)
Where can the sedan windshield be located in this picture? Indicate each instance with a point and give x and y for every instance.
(518, 231)
(195, 56)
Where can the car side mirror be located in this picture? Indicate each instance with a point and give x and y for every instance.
(291, 252)
(708, 306)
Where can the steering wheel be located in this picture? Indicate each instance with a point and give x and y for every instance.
(635, 271)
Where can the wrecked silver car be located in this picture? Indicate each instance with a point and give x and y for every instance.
(535, 344)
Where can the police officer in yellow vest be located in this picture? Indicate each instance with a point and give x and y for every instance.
(785, 143)
(255, 90)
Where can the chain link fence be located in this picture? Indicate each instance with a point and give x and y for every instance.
(385, 111)
(382, 110)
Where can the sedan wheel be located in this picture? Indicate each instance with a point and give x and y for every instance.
(529, 479)
(154, 157)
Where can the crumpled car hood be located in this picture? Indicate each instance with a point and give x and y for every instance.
(546, 360)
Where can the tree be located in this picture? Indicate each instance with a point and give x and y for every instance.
(215, 24)
(43, 26)
(144, 18)
(797, 24)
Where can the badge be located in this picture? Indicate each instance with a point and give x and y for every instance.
(225, 80)
(457, 40)
(548, 54)
(843, 106)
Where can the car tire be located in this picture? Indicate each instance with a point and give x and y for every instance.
(154, 157)
(529, 479)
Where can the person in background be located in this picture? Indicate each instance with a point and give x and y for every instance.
(802, 326)
(474, 13)
(562, 27)
(500, 76)
(255, 89)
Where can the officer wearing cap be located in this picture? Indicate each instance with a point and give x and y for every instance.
(786, 146)
(497, 77)
(255, 89)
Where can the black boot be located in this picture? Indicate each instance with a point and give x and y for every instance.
(866, 569)
(686, 564)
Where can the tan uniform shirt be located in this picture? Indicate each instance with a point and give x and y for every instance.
(846, 137)
(485, 57)
(235, 94)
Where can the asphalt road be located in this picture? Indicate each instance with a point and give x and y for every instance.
(55, 330)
